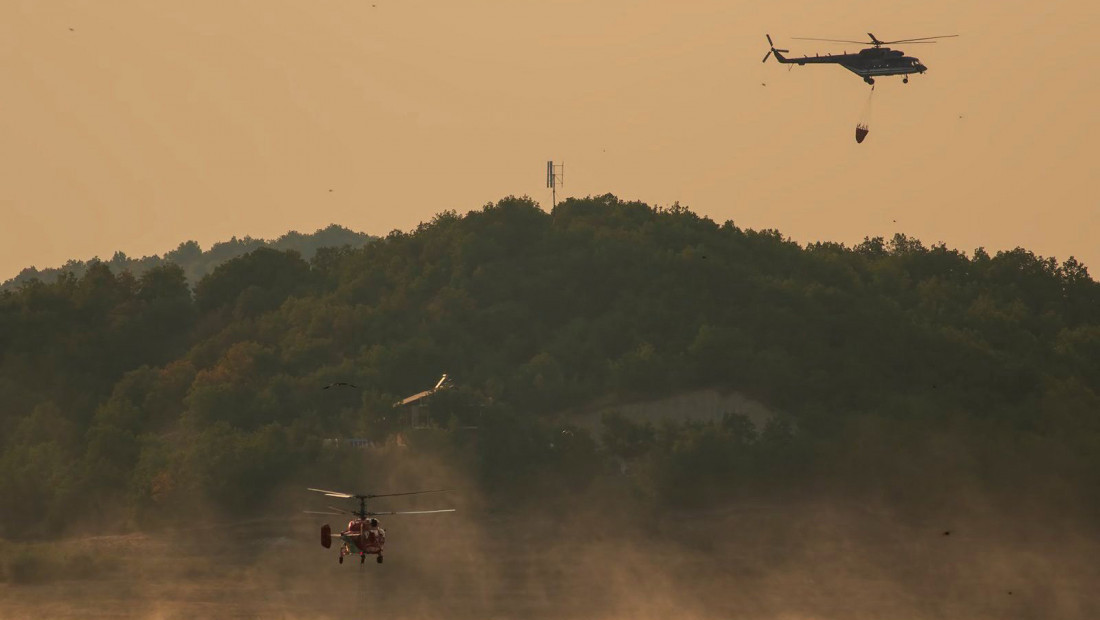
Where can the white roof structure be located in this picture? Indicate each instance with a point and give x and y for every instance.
(414, 398)
(442, 384)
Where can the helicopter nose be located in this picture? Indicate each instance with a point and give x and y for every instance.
(922, 68)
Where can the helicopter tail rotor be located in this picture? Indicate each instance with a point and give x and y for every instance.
(772, 50)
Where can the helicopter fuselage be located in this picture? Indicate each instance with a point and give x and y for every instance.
(868, 63)
(361, 538)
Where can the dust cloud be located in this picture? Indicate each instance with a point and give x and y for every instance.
(593, 554)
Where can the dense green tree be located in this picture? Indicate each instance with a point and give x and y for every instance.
(122, 387)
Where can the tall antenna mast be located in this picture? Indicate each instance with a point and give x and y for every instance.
(555, 176)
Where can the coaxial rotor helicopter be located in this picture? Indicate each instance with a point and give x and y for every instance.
(364, 536)
(868, 63)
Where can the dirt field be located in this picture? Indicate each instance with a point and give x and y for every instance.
(766, 562)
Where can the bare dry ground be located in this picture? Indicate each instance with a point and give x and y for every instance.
(779, 561)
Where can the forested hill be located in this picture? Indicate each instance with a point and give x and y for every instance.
(896, 367)
(195, 262)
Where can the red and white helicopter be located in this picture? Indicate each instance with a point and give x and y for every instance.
(364, 536)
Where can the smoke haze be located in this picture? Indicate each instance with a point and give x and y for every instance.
(593, 555)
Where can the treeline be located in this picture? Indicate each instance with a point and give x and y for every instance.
(896, 369)
(195, 262)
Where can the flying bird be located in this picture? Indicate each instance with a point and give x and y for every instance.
(340, 383)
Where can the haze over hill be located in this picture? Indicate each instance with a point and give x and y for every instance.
(909, 390)
(195, 262)
(655, 412)
(133, 125)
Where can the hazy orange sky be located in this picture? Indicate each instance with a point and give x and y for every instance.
(135, 125)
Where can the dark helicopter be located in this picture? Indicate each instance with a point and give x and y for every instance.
(868, 63)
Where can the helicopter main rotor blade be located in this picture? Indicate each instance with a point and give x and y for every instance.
(341, 510)
(343, 495)
(409, 512)
(834, 40)
(333, 493)
(918, 39)
(372, 496)
(318, 512)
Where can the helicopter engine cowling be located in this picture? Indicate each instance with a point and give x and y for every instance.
(326, 536)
